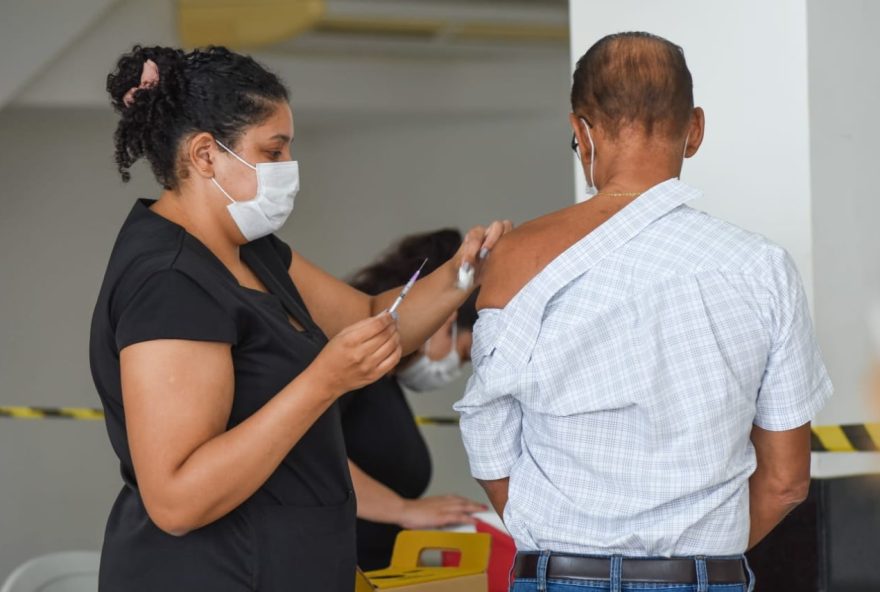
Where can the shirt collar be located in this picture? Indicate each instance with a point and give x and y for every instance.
(524, 312)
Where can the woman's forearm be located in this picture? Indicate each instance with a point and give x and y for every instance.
(226, 470)
(375, 502)
(426, 307)
(378, 503)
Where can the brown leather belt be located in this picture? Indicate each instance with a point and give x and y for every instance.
(659, 571)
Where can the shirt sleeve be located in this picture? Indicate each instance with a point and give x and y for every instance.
(796, 384)
(171, 305)
(491, 416)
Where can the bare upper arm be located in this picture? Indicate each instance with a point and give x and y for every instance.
(177, 396)
(333, 304)
(512, 264)
(784, 457)
(523, 253)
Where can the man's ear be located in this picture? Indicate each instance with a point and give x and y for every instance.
(201, 151)
(580, 134)
(695, 132)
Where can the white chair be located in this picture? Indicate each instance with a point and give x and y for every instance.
(72, 571)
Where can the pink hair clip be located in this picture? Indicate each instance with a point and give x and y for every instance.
(149, 79)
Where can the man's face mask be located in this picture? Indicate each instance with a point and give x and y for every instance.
(268, 210)
(591, 185)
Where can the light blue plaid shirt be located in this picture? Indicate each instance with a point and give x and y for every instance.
(618, 388)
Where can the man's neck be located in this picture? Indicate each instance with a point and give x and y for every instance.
(636, 167)
(636, 181)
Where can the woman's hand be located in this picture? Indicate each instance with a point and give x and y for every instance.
(477, 245)
(438, 511)
(359, 355)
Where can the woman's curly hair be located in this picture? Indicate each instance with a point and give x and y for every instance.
(211, 90)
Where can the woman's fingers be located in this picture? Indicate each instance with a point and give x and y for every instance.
(454, 519)
(438, 511)
(380, 353)
(362, 331)
(458, 510)
(433, 512)
(388, 364)
(382, 350)
(470, 247)
(373, 343)
(470, 507)
(493, 233)
(350, 359)
(480, 241)
(458, 503)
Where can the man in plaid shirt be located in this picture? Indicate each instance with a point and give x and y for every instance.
(645, 375)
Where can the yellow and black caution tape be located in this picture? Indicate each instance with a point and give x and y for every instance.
(84, 413)
(428, 420)
(860, 437)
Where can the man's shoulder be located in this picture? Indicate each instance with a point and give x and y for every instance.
(522, 253)
(503, 268)
(707, 241)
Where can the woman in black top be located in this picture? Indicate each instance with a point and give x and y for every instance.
(219, 354)
(388, 458)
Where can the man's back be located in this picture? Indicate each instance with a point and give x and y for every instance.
(617, 388)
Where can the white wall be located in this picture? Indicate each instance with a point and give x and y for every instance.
(366, 181)
(748, 61)
(843, 90)
(845, 127)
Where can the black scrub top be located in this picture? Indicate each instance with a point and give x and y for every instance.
(382, 438)
(297, 531)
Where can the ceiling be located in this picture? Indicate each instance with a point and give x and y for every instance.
(411, 28)
(379, 56)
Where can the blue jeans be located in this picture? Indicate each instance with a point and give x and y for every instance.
(613, 584)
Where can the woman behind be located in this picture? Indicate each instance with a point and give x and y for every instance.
(219, 354)
(388, 458)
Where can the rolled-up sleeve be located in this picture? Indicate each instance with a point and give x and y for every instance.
(491, 416)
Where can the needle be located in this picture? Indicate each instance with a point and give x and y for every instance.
(407, 287)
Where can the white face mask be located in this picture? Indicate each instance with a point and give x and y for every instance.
(684, 152)
(426, 374)
(591, 185)
(277, 186)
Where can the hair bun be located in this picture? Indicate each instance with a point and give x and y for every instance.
(130, 66)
